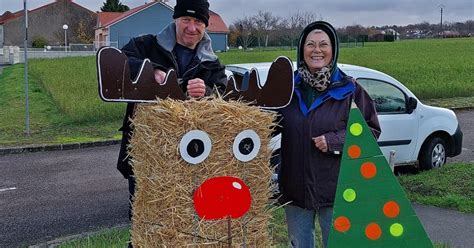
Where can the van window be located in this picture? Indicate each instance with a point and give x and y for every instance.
(387, 98)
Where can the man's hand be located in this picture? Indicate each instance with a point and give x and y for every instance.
(320, 143)
(160, 76)
(196, 87)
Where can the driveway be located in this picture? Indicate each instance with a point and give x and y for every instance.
(47, 195)
(466, 120)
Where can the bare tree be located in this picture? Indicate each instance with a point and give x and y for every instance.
(265, 23)
(245, 29)
(291, 27)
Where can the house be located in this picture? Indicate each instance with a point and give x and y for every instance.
(393, 32)
(3, 19)
(46, 22)
(116, 29)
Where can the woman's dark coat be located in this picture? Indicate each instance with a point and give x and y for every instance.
(307, 176)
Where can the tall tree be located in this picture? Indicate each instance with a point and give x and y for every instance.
(294, 24)
(245, 29)
(114, 6)
(265, 23)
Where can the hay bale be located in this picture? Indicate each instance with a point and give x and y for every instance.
(164, 214)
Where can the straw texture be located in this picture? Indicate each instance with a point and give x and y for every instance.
(164, 214)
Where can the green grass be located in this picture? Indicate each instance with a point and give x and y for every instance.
(111, 238)
(48, 122)
(65, 107)
(237, 57)
(450, 187)
(437, 68)
(71, 82)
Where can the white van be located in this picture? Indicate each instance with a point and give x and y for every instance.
(417, 133)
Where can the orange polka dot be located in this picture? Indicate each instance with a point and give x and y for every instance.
(368, 170)
(342, 224)
(354, 151)
(391, 209)
(373, 231)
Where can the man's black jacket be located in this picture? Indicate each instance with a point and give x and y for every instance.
(205, 66)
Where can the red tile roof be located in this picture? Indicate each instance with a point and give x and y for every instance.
(4, 18)
(9, 16)
(106, 17)
(216, 24)
(125, 14)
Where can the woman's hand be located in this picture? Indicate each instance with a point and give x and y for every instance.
(320, 143)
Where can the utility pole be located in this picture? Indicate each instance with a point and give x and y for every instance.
(27, 108)
(441, 6)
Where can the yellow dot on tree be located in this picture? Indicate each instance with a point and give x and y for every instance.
(349, 195)
(396, 230)
(356, 129)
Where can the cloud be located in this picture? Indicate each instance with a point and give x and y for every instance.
(339, 13)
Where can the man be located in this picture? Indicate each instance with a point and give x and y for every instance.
(183, 46)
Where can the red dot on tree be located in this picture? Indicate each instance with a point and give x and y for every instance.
(368, 170)
(342, 224)
(391, 209)
(354, 151)
(373, 231)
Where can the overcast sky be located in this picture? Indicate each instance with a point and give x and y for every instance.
(338, 12)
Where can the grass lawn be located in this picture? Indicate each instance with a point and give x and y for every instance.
(49, 121)
(65, 107)
(449, 187)
(431, 68)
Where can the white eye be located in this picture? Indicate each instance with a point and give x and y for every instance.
(246, 145)
(195, 146)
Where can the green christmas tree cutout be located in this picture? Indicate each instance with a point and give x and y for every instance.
(371, 208)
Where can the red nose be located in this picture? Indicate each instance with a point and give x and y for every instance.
(220, 197)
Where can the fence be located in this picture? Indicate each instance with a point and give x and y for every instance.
(350, 44)
(74, 47)
(15, 55)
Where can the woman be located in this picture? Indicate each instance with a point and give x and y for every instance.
(313, 133)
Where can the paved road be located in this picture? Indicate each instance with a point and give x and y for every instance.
(466, 120)
(447, 226)
(47, 195)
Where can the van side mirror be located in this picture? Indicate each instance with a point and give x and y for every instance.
(411, 104)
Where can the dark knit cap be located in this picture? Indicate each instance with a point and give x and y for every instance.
(195, 8)
(330, 31)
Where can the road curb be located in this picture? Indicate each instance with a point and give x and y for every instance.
(58, 147)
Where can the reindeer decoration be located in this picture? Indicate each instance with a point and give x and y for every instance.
(201, 166)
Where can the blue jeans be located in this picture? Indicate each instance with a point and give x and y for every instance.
(301, 226)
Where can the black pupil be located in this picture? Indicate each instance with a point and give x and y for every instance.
(195, 148)
(246, 146)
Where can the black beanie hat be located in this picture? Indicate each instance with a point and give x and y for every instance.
(195, 8)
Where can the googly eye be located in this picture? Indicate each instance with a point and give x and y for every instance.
(246, 145)
(195, 146)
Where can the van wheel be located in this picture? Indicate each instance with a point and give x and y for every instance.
(433, 154)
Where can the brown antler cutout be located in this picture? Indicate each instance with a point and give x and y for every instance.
(115, 84)
(275, 93)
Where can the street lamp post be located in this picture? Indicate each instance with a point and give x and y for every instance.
(65, 27)
(27, 104)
